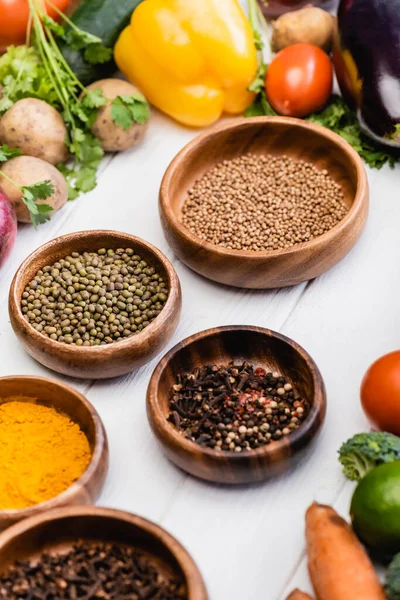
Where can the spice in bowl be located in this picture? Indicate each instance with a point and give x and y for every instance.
(94, 298)
(263, 202)
(92, 570)
(235, 407)
(42, 452)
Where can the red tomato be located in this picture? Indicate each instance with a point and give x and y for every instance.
(380, 393)
(14, 16)
(299, 80)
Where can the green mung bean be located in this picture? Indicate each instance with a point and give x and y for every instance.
(94, 298)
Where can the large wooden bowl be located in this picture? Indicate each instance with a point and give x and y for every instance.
(265, 135)
(98, 362)
(221, 345)
(64, 399)
(57, 530)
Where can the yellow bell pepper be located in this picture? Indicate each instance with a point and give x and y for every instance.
(193, 59)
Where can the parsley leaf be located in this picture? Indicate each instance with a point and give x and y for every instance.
(97, 54)
(6, 153)
(23, 75)
(94, 99)
(39, 213)
(77, 39)
(341, 119)
(53, 26)
(260, 107)
(129, 109)
(257, 85)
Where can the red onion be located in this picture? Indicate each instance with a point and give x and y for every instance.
(8, 227)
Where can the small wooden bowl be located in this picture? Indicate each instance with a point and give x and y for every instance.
(263, 348)
(99, 362)
(57, 530)
(265, 135)
(64, 399)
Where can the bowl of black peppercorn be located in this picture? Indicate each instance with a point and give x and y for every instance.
(95, 304)
(236, 404)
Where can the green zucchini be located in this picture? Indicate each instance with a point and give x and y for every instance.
(106, 19)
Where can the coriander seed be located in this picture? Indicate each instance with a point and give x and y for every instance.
(263, 202)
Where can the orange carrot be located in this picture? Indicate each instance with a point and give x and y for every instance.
(298, 595)
(339, 567)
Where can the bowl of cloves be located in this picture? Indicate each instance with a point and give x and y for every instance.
(236, 404)
(91, 552)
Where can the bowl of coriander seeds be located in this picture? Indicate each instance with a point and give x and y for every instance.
(236, 404)
(95, 304)
(264, 202)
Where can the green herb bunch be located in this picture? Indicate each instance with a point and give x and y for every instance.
(39, 70)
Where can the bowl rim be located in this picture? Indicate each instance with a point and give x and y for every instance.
(154, 411)
(171, 215)
(132, 342)
(100, 445)
(190, 570)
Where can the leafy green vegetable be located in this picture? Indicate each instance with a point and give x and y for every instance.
(392, 579)
(97, 54)
(341, 119)
(78, 39)
(360, 454)
(40, 71)
(6, 153)
(129, 109)
(41, 190)
(40, 213)
(23, 75)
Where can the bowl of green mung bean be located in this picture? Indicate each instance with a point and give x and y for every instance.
(95, 304)
(264, 202)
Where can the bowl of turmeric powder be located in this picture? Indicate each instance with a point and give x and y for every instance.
(53, 449)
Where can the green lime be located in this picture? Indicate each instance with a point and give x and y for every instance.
(375, 510)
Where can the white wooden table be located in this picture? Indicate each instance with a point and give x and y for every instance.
(248, 542)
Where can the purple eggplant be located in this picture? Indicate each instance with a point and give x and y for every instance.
(367, 64)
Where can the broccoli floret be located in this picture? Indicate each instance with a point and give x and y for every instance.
(361, 453)
(392, 580)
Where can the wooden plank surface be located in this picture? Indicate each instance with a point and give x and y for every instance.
(248, 541)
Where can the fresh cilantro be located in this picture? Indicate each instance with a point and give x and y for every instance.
(90, 103)
(53, 26)
(23, 75)
(341, 119)
(97, 54)
(260, 107)
(129, 109)
(94, 99)
(77, 39)
(40, 71)
(7, 153)
(39, 213)
(257, 85)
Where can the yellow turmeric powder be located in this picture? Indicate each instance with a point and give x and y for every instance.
(42, 452)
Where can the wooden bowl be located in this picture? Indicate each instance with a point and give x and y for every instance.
(220, 345)
(99, 362)
(265, 135)
(57, 530)
(64, 399)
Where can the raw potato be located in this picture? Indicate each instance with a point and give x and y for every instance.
(112, 137)
(37, 129)
(339, 567)
(298, 595)
(308, 25)
(25, 170)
